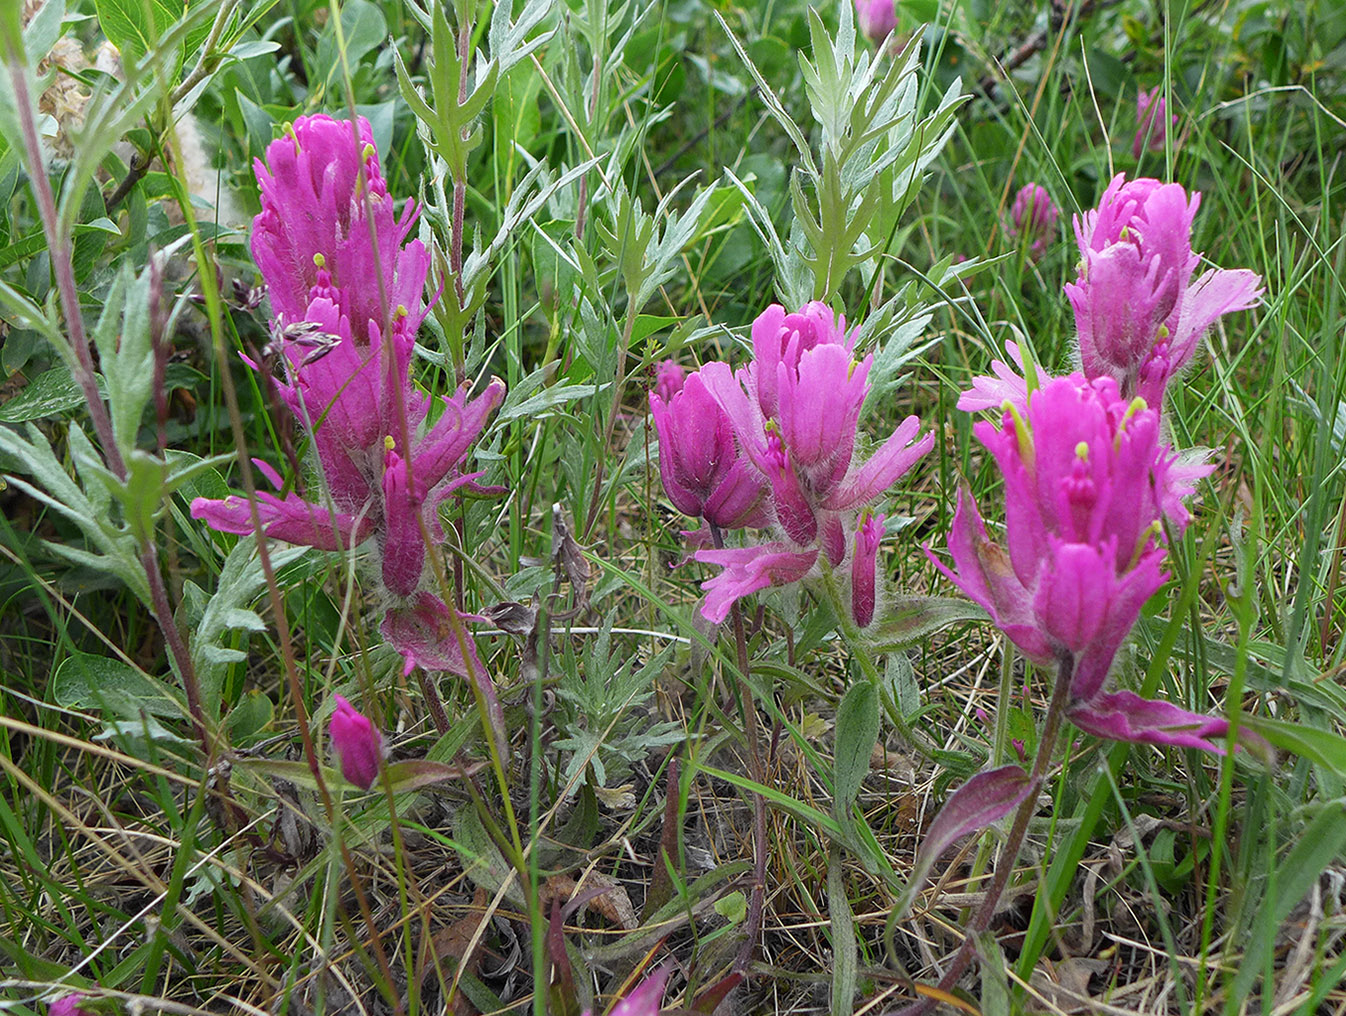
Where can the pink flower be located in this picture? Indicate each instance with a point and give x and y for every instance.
(67, 1005)
(321, 189)
(336, 257)
(876, 18)
(645, 998)
(357, 743)
(1151, 122)
(1008, 385)
(669, 378)
(794, 413)
(1138, 312)
(1033, 219)
(704, 475)
(1086, 483)
(748, 569)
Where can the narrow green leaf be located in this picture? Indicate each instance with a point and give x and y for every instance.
(857, 732)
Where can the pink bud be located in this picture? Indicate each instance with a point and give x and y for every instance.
(1135, 291)
(877, 18)
(357, 743)
(1033, 219)
(668, 379)
(67, 1005)
(867, 539)
(1151, 121)
(699, 462)
(644, 999)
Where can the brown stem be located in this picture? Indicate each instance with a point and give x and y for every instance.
(62, 267)
(140, 164)
(981, 921)
(432, 701)
(758, 770)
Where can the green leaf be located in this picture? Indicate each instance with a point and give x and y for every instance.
(557, 395)
(1317, 847)
(51, 392)
(214, 645)
(844, 953)
(363, 29)
(249, 718)
(134, 26)
(909, 619)
(733, 907)
(1320, 746)
(857, 732)
(88, 681)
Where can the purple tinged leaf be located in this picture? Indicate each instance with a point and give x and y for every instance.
(980, 802)
(292, 520)
(1125, 716)
(423, 633)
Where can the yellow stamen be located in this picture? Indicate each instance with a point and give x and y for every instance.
(389, 443)
(319, 261)
(1153, 530)
(1082, 451)
(1024, 434)
(368, 152)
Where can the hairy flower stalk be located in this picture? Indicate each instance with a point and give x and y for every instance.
(347, 290)
(1087, 482)
(1139, 312)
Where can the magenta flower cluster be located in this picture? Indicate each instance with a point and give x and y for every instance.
(1139, 311)
(773, 446)
(1087, 482)
(1088, 478)
(347, 290)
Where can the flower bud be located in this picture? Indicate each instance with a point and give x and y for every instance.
(1151, 122)
(358, 744)
(1033, 219)
(863, 566)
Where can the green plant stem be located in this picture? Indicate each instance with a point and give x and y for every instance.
(62, 265)
(859, 652)
(618, 384)
(210, 59)
(1245, 612)
(981, 921)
